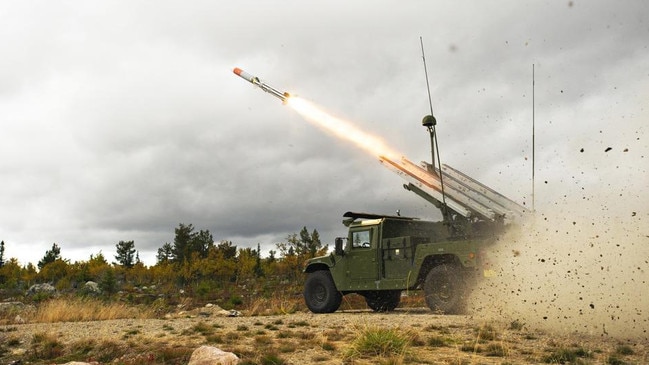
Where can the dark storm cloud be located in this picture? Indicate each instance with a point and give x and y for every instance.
(121, 120)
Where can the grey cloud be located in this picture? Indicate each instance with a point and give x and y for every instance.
(121, 120)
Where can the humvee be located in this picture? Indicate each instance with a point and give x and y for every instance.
(384, 255)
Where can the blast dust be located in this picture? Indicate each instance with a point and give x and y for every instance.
(571, 276)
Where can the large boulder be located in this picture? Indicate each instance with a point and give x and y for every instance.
(209, 355)
(41, 288)
(90, 287)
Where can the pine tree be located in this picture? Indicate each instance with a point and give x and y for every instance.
(305, 242)
(2, 253)
(187, 242)
(50, 256)
(201, 242)
(165, 254)
(182, 243)
(315, 245)
(271, 256)
(228, 249)
(125, 253)
(259, 271)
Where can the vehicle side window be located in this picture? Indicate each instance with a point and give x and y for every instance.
(361, 239)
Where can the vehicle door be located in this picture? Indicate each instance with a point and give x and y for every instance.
(362, 257)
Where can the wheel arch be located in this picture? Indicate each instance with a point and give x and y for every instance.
(432, 261)
(316, 267)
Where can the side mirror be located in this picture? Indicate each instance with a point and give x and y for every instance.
(339, 249)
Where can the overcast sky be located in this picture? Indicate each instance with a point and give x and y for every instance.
(120, 120)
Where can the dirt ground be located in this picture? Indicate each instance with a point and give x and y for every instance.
(305, 338)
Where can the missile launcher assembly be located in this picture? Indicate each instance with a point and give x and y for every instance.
(383, 255)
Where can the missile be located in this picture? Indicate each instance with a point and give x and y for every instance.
(267, 88)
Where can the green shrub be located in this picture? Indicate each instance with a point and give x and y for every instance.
(45, 347)
(382, 342)
(516, 325)
(437, 341)
(496, 350)
(624, 350)
(486, 333)
(272, 359)
(563, 355)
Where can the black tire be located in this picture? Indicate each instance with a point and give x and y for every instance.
(320, 293)
(383, 300)
(444, 289)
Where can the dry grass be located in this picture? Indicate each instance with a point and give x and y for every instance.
(275, 305)
(85, 309)
(356, 337)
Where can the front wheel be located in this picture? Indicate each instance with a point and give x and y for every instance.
(444, 289)
(383, 300)
(320, 293)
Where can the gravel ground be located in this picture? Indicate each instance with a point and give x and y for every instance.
(298, 338)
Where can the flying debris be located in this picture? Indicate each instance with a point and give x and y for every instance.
(283, 96)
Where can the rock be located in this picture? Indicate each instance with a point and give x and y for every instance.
(92, 287)
(226, 313)
(209, 355)
(41, 288)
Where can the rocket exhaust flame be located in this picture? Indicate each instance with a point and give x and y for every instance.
(341, 128)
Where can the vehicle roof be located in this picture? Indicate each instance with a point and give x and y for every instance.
(354, 218)
(357, 215)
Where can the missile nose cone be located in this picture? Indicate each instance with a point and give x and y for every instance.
(262, 85)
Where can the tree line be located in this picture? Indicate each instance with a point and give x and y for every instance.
(193, 262)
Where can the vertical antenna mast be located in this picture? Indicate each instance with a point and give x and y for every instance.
(533, 137)
(429, 122)
(423, 56)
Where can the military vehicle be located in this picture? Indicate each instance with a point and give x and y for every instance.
(384, 255)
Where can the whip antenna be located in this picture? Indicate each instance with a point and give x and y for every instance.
(533, 137)
(429, 122)
(423, 56)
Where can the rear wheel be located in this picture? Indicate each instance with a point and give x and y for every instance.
(320, 293)
(444, 289)
(383, 300)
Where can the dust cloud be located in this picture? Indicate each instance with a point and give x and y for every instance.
(583, 268)
(581, 263)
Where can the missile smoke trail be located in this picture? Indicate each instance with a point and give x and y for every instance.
(340, 128)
